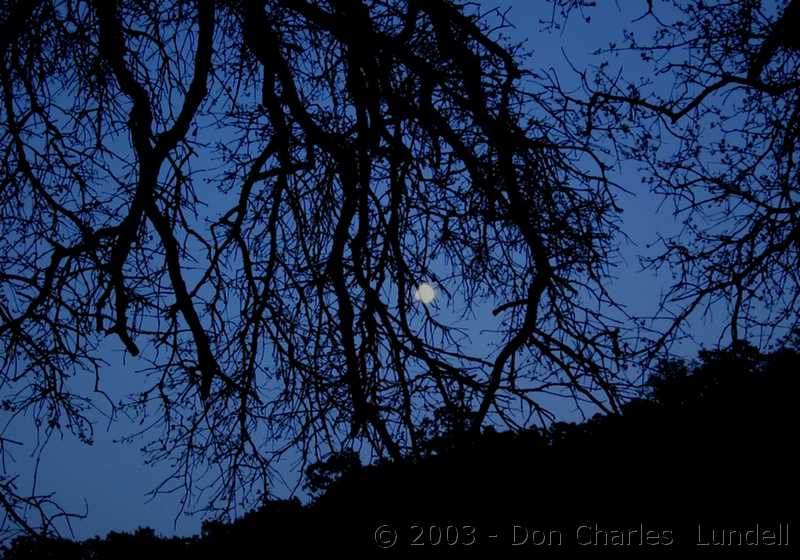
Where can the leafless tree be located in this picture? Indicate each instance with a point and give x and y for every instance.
(245, 193)
(715, 129)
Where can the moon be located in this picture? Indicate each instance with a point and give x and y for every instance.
(425, 293)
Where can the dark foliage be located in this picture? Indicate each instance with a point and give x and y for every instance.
(711, 441)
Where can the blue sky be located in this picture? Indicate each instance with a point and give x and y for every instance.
(113, 478)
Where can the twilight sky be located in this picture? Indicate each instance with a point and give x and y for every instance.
(112, 476)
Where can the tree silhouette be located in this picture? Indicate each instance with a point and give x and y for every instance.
(714, 129)
(779, 35)
(243, 194)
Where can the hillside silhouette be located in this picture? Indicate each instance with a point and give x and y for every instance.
(710, 442)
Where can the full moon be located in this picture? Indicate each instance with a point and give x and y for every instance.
(425, 293)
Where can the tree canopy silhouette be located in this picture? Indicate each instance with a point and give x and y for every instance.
(707, 442)
(243, 194)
